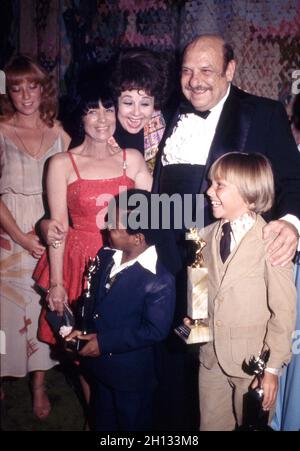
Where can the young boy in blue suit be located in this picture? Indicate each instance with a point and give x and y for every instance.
(133, 298)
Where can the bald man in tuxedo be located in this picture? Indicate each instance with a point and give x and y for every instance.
(215, 117)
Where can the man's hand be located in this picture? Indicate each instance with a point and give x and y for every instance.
(283, 248)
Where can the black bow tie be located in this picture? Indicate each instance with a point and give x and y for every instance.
(186, 108)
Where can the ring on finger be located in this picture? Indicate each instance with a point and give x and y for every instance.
(56, 244)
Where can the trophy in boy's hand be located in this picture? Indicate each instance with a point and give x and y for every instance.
(85, 312)
(196, 329)
(254, 417)
(85, 305)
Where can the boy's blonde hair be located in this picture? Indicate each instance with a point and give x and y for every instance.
(251, 173)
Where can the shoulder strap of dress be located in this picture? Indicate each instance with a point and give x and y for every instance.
(124, 162)
(74, 164)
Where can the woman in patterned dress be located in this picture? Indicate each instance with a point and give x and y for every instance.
(29, 135)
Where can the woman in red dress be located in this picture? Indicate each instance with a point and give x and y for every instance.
(78, 183)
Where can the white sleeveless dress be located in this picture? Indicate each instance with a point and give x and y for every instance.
(21, 178)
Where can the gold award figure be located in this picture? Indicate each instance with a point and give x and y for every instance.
(195, 329)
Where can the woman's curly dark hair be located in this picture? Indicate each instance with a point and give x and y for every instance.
(144, 70)
(24, 67)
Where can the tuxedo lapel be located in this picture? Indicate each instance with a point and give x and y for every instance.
(231, 133)
(232, 129)
(158, 165)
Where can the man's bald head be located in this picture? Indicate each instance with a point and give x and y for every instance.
(207, 70)
(216, 41)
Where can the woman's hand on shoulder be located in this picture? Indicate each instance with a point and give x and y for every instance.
(137, 170)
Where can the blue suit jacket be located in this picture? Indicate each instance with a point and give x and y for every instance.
(130, 318)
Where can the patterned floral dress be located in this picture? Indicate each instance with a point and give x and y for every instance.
(21, 190)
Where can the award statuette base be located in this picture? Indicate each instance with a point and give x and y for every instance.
(74, 346)
(197, 332)
(254, 417)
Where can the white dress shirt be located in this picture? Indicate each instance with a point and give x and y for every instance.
(191, 140)
(147, 259)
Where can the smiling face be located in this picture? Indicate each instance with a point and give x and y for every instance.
(226, 201)
(203, 80)
(135, 109)
(100, 123)
(26, 96)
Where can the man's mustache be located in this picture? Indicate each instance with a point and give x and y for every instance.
(198, 88)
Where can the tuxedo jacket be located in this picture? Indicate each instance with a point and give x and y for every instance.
(130, 319)
(251, 303)
(252, 124)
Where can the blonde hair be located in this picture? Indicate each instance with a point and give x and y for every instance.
(24, 67)
(251, 173)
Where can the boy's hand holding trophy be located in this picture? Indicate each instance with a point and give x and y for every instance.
(255, 418)
(195, 328)
(85, 308)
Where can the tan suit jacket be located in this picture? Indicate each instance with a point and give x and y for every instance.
(251, 304)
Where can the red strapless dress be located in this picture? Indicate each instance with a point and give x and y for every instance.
(83, 240)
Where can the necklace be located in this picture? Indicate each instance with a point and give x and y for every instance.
(35, 154)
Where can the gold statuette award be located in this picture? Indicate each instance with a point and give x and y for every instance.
(195, 328)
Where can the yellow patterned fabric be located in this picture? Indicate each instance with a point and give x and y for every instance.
(153, 133)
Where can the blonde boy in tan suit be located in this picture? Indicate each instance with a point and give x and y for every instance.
(251, 303)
